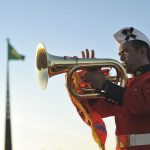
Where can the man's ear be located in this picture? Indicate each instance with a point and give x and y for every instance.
(143, 51)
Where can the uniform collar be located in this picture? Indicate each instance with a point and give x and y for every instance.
(142, 69)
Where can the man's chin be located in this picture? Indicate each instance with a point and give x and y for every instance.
(129, 71)
(126, 68)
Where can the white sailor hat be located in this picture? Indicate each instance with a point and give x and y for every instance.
(128, 34)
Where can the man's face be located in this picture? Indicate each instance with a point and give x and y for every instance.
(130, 57)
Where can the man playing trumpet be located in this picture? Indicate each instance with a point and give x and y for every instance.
(130, 105)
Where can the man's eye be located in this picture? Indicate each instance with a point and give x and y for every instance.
(123, 52)
(126, 51)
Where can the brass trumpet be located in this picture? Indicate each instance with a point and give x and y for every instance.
(48, 65)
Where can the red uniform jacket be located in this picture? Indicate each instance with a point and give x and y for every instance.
(133, 117)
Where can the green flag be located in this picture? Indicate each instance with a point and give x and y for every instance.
(13, 54)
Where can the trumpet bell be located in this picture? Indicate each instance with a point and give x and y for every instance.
(48, 65)
(41, 65)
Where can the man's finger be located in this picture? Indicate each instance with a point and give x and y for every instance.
(87, 53)
(92, 54)
(83, 54)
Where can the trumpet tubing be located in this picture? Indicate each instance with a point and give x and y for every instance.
(48, 65)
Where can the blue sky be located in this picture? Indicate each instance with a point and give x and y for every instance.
(46, 120)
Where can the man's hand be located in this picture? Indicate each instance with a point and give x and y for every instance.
(93, 76)
(86, 54)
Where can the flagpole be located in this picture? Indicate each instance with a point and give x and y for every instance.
(8, 140)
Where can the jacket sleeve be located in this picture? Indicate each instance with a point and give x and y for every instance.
(104, 108)
(137, 98)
